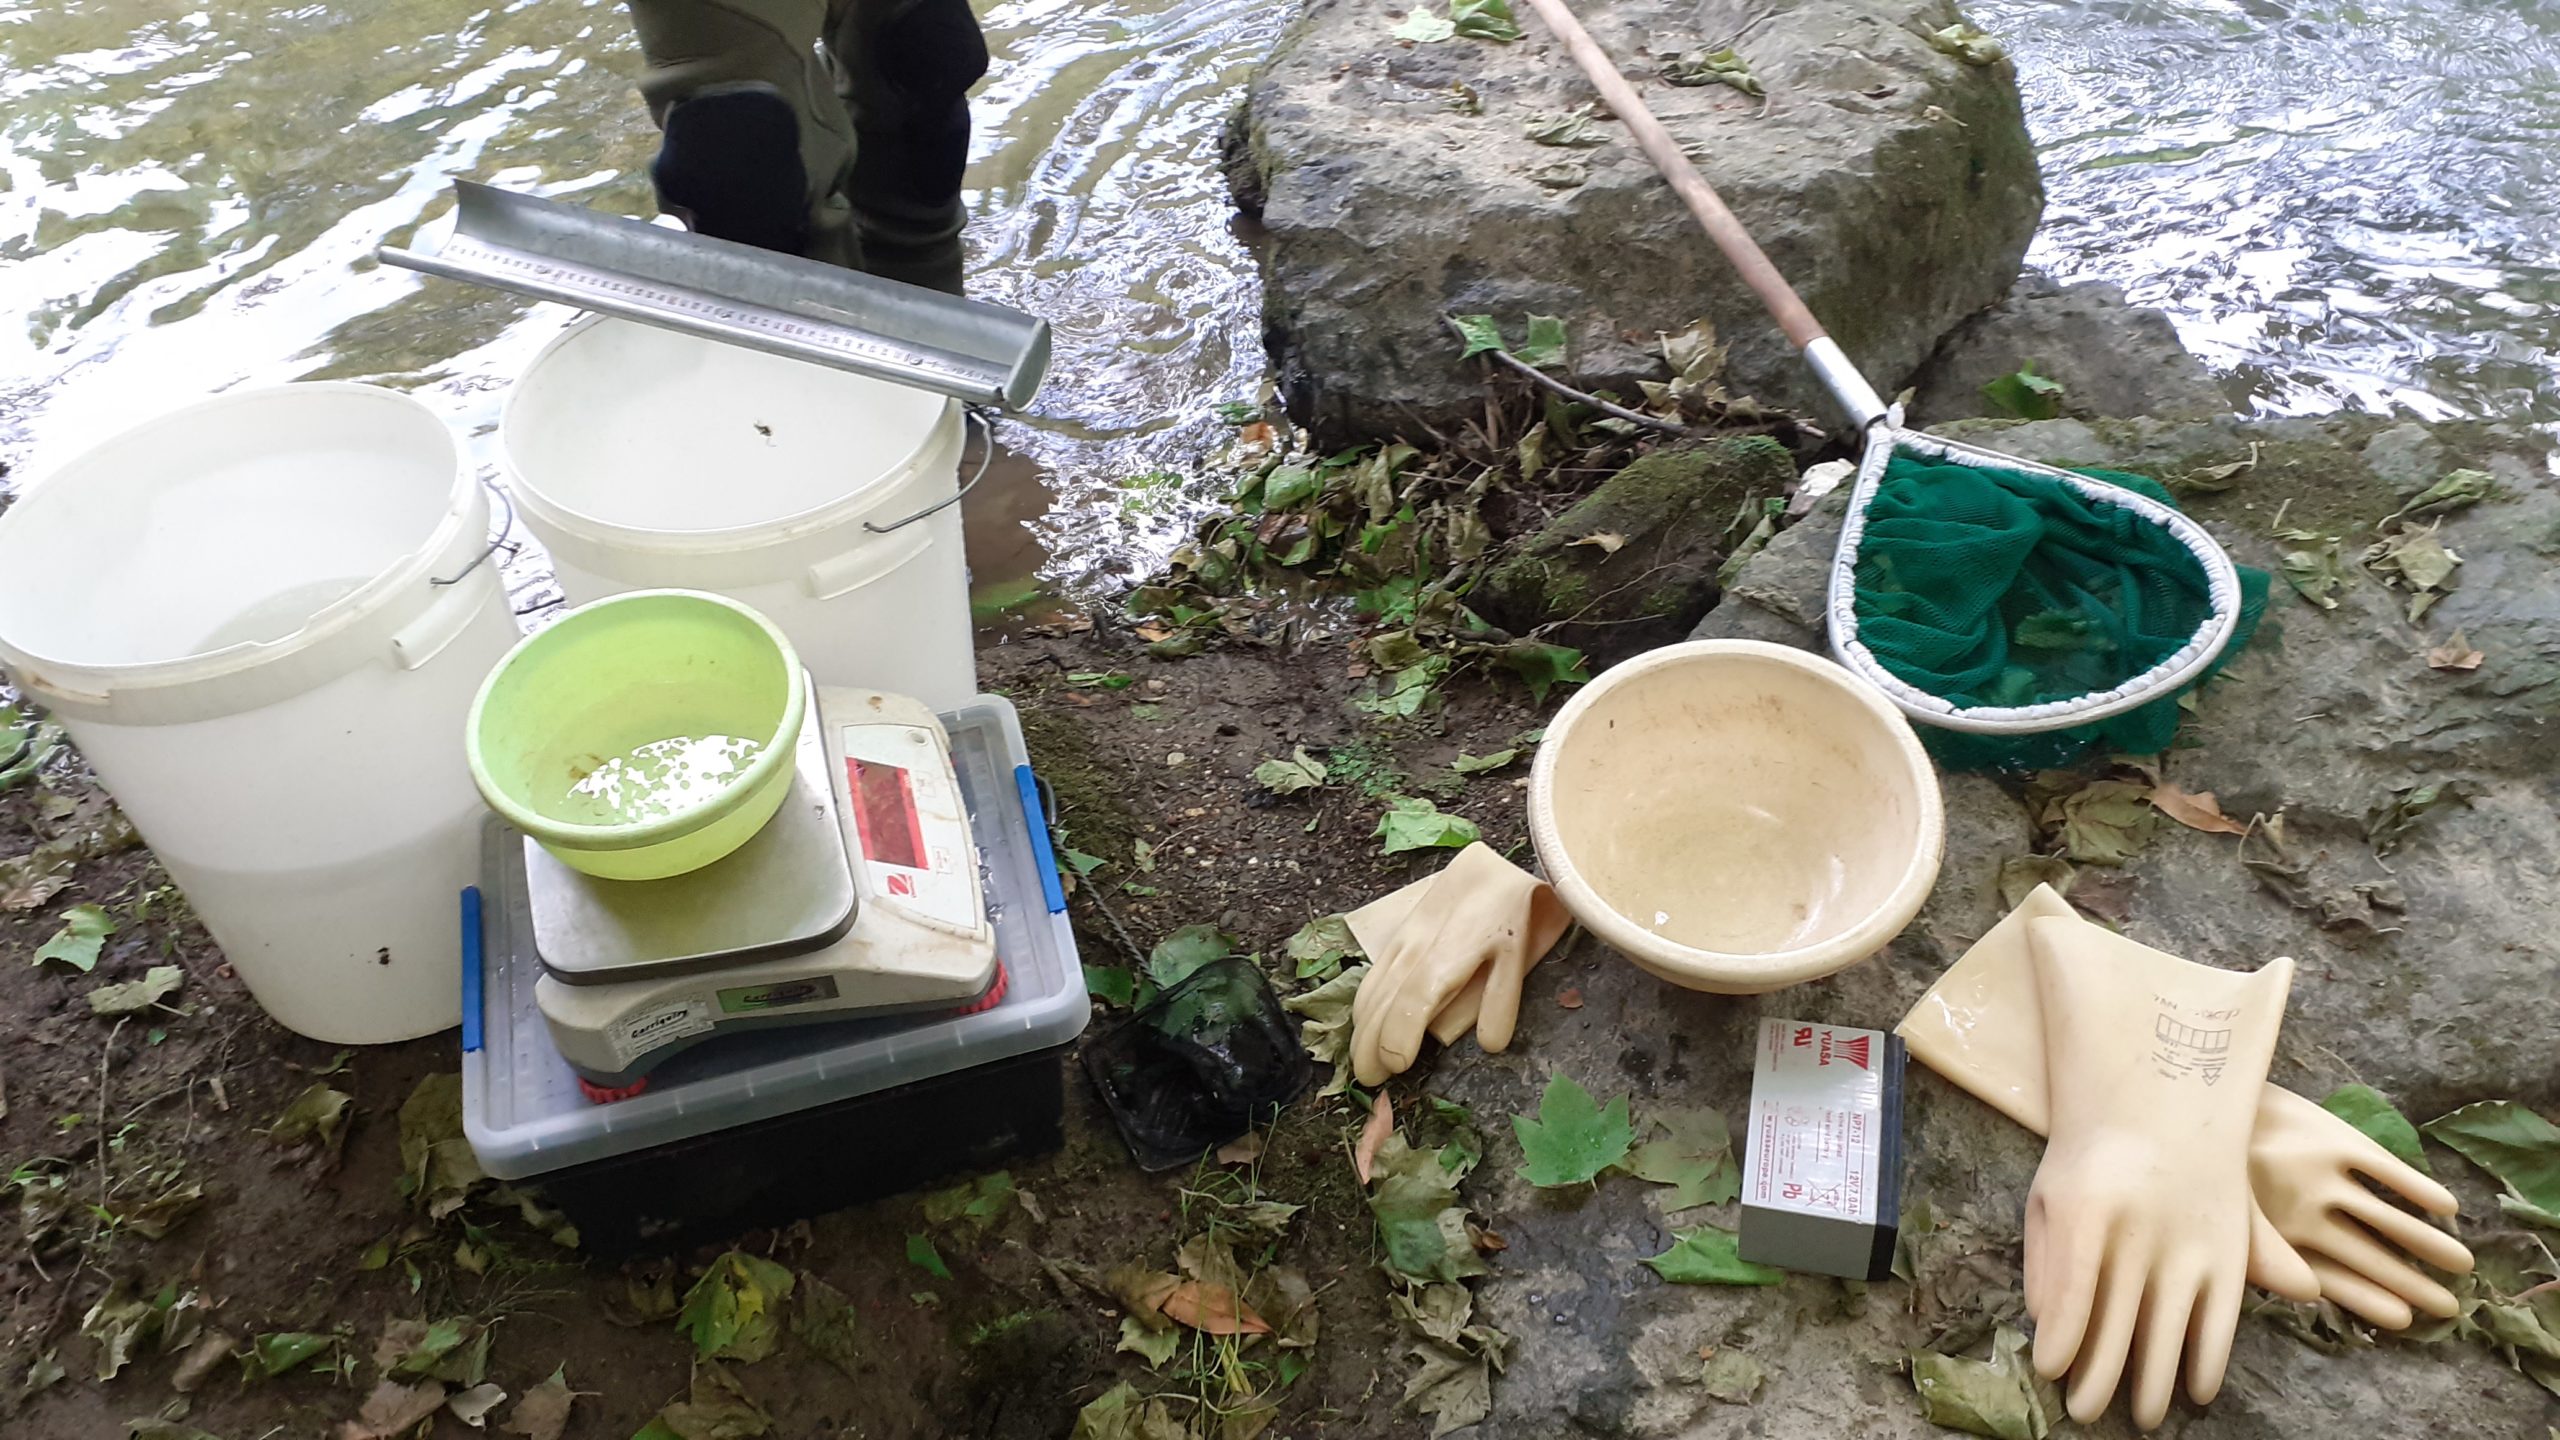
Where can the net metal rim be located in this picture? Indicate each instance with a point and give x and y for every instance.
(2222, 579)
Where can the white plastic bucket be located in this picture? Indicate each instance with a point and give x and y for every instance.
(645, 460)
(234, 610)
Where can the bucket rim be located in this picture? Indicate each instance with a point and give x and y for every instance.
(543, 509)
(464, 522)
(1727, 972)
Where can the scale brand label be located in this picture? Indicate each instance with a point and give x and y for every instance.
(1817, 1105)
(636, 1035)
(781, 995)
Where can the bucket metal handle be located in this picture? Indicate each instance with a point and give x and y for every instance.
(496, 543)
(986, 457)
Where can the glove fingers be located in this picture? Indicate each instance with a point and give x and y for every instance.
(2101, 1361)
(2209, 1335)
(2351, 1247)
(2362, 1298)
(1459, 1016)
(2396, 1226)
(2368, 1158)
(2274, 1264)
(1369, 1008)
(2166, 1312)
(1501, 1012)
(2062, 1282)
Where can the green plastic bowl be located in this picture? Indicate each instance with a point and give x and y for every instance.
(643, 735)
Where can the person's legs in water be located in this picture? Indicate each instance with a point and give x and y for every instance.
(757, 147)
(904, 69)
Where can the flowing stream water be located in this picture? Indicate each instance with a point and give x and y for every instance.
(2341, 204)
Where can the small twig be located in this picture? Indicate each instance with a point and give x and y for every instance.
(1633, 417)
(106, 1063)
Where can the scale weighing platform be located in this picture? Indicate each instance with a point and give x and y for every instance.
(864, 895)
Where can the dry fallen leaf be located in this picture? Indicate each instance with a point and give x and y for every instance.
(1382, 1123)
(1607, 542)
(393, 1409)
(1241, 1152)
(1212, 1310)
(1570, 997)
(1151, 632)
(2455, 654)
(544, 1411)
(472, 1406)
(2199, 811)
(1486, 1241)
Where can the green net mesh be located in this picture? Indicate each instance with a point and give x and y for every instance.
(2006, 588)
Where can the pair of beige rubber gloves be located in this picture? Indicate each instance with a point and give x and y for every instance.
(1448, 954)
(2172, 1169)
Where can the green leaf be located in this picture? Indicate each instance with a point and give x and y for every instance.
(316, 1117)
(1467, 764)
(1419, 825)
(825, 1321)
(1968, 44)
(2388, 824)
(1326, 1029)
(1300, 772)
(1424, 28)
(2458, 490)
(2314, 570)
(1485, 20)
(981, 1202)
(1573, 1139)
(2025, 395)
(1480, 333)
(1694, 1157)
(1101, 680)
(1714, 67)
(1708, 1256)
(1117, 986)
(438, 1169)
(1237, 412)
(1567, 129)
(920, 1252)
(1422, 1227)
(1153, 1346)
(84, 933)
(134, 996)
(1123, 1414)
(1545, 347)
(1543, 666)
(1410, 690)
(2512, 1143)
(734, 1312)
(1080, 862)
(1999, 1398)
(1321, 946)
(273, 1354)
(2105, 822)
(2365, 1108)
(717, 1408)
(1186, 950)
(1732, 1377)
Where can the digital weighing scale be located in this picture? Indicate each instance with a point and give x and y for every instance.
(862, 897)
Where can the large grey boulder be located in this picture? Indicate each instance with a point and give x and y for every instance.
(2439, 1001)
(1893, 183)
(2112, 358)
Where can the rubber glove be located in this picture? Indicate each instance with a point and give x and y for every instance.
(2138, 1224)
(1981, 1027)
(1456, 952)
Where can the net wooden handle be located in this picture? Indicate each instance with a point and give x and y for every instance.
(1785, 306)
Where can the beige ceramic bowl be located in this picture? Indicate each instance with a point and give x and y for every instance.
(1735, 816)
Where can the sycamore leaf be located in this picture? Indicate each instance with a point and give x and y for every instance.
(1186, 950)
(1301, 771)
(2021, 874)
(1116, 986)
(135, 996)
(393, 1409)
(1326, 1031)
(717, 1408)
(1572, 1139)
(2025, 395)
(1467, 764)
(1714, 67)
(1543, 666)
(825, 1322)
(274, 1354)
(1153, 1346)
(543, 1411)
(1999, 1398)
(1709, 1256)
(1453, 1386)
(2105, 822)
(1732, 1377)
(2365, 1108)
(2455, 654)
(920, 1252)
(2511, 1142)
(1418, 825)
(2457, 490)
(1545, 347)
(438, 1169)
(1694, 1157)
(1211, 1309)
(1569, 129)
(1422, 1226)
(734, 1312)
(1122, 1414)
(84, 933)
(1485, 20)
(1607, 542)
(2197, 811)
(981, 1202)
(1321, 945)
(1479, 331)
(1968, 44)
(2315, 570)
(317, 1117)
